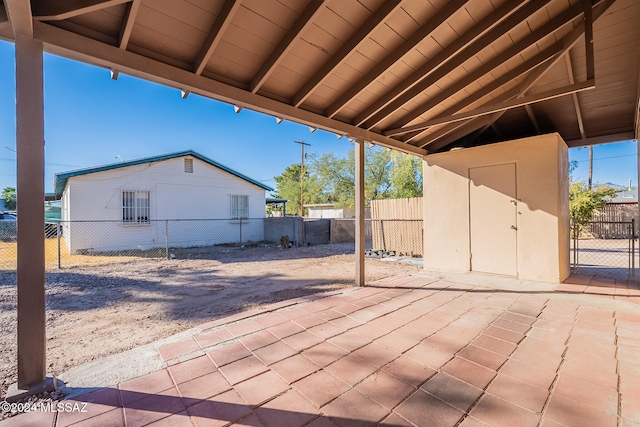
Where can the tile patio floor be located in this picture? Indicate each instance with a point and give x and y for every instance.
(416, 350)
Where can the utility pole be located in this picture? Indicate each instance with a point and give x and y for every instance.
(590, 166)
(302, 144)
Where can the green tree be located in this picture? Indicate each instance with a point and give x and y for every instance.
(583, 201)
(10, 198)
(288, 187)
(406, 176)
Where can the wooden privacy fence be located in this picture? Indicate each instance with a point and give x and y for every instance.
(610, 221)
(397, 225)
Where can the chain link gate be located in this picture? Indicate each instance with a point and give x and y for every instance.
(604, 248)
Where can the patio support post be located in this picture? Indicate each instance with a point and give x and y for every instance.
(359, 179)
(30, 190)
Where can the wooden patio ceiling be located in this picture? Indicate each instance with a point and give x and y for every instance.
(420, 76)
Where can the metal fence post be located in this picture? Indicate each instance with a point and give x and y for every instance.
(166, 237)
(633, 247)
(240, 231)
(58, 237)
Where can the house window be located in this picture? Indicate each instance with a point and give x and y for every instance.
(136, 208)
(239, 206)
(188, 165)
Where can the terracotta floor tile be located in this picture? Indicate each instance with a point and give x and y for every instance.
(354, 409)
(453, 391)
(504, 334)
(409, 371)
(497, 412)
(429, 356)
(553, 348)
(262, 388)
(309, 321)
(533, 357)
(219, 411)
(446, 343)
(228, 352)
(327, 330)
(530, 374)
(385, 389)
(293, 313)
(112, 418)
(289, 409)
(464, 334)
(519, 392)
(511, 326)
(346, 308)
(588, 393)
(349, 341)
(350, 369)
(284, 330)
(346, 322)
(274, 353)
(370, 332)
(243, 327)
(145, 386)
(294, 368)
(213, 337)
(258, 339)
(572, 413)
(519, 318)
(177, 420)
(474, 374)
(397, 343)
(329, 314)
(97, 402)
(269, 320)
(249, 421)
(376, 355)
(324, 353)
(630, 407)
(153, 408)
(471, 422)
(321, 387)
(395, 420)
(191, 369)
(322, 421)
(302, 340)
(243, 369)
(597, 375)
(496, 345)
(203, 387)
(173, 350)
(482, 357)
(422, 409)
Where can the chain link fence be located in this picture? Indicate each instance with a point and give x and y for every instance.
(605, 248)
(77, 243)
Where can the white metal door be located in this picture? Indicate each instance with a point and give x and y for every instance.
(493, 219)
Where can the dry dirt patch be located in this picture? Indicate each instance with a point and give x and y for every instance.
(94, 311)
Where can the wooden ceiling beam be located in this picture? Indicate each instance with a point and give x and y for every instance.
(547, 55)
(576, 103)
(56, 10)
(604, 139)
(434, 144)
(304, 21)
(507, 105)
(79, 48)
(376, 20)
(459, 51)
(229, 8)
(423, 32)
(20, 17)
(126, 29)
(4, 19)
(532, 118)
(473, 77)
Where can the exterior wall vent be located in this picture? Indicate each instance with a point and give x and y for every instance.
(188, 165)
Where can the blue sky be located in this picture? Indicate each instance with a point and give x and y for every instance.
(90, 119)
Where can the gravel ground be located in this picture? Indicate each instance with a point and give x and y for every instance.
(95, 311)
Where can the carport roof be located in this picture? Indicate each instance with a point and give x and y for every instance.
(415, 75)
(60, 179)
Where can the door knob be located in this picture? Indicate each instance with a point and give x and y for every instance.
(513, 227)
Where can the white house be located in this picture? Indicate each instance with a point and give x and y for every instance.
(179, 199)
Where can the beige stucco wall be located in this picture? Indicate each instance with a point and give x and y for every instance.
(543, 213)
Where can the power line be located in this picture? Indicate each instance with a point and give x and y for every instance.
(611, 157)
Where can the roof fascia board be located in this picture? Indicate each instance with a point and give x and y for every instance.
(74, 46)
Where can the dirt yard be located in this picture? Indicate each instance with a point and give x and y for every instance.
(94, 311)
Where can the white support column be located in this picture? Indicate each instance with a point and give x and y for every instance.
(30, 191)
(359, 145)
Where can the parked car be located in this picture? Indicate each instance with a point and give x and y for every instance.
(8, 226)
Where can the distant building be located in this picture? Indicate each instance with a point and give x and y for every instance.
(117, 206)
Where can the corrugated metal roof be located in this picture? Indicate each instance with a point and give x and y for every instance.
(60, 179)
